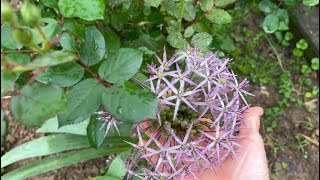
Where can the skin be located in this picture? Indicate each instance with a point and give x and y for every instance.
(252, 161)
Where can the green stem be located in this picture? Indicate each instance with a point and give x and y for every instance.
(181, 14)
(275, 51)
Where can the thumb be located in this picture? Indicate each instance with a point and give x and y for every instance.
(251, 122)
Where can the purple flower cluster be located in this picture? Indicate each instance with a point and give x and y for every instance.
(201, 104)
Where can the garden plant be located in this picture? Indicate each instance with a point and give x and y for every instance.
(160, 86)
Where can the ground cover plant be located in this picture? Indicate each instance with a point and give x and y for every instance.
(96, 78)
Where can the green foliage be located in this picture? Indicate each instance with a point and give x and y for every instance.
(118, 102)
(121, 65)
(94, 48)
(85, 9)
(315, 63)
(37, 102)
(83, 99)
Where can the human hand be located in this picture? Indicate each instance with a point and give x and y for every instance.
(252, 161)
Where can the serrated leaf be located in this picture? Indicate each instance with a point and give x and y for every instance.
(85, 9)
(222, 3)
(121, 65)
(189, 12)
(62, 160)
(51, 3)
(129, 105)
(206, 5)
(37, 102)
(112, 40)
(94, 47)
(176, 40)
(7, 39)
(52, 126)
(201, 40)
(83, 100)
(271, 23)
(68, 42)
(219, 16)
(44, 146)
(171, 7)
(153, 3)
(189, 32)
(64, 75)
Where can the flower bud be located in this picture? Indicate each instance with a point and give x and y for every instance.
(7, 12)
(30, 14)
(23, 36)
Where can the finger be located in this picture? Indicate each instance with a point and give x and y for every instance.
(251, 122)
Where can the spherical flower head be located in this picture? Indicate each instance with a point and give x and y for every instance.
(201, 103)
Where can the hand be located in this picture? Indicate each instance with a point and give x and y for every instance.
(252, 161)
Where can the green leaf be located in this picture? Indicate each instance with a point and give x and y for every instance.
(310, 2)
(219, 16)
(59, 161)
(7, 83)
(153, 3)
(83, 100)
(283, 16)
(201, 40)
(315, 63)
(267, 6)
(53, 58)
(68, 42)
(297, 52)
(51, 3)
(176, 40)
(121, 65)
(64, 75)
(206, 5)
(302, 44)
(189, 32)
(290, 3)
(52, 126)
(94, 46)
(271, 23)
(283, 26)
(44, 146)
(112, 40)
(288, 36)
(117, 167)
(37, 102)
(222, 3)
(305, 69)
(7, 39)
(130, 105)
(19, 58)
(3, 127)
(171, 7)
(85, 9)
(95, 132)
(189, 12)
